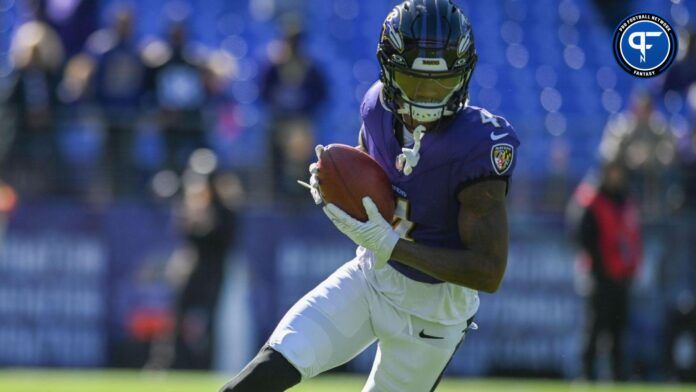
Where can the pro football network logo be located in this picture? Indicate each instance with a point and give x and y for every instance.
(645, 45)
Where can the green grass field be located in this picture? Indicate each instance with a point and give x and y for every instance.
(120, 381)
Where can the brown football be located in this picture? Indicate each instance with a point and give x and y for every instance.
(346, 175)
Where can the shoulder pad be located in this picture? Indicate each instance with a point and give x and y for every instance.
(371, 100)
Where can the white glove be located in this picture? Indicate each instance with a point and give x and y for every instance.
(376, 234)
(409, 157)
(313, 185)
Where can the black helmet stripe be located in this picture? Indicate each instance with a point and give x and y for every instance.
(438, 24)
(424, 27)
(434, 26)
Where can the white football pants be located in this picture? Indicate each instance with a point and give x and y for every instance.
(345, 314)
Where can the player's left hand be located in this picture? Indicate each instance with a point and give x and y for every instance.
(313, 185)
(376, 234)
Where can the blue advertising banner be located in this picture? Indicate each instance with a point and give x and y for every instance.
(73, 278)
(53, 268)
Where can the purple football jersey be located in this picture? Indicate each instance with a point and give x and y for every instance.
(473, 145)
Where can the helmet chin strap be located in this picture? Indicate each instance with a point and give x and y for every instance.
(409, 157)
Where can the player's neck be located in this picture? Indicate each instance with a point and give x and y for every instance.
(403, 135)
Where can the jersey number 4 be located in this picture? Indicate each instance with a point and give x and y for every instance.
(488, 118)
(401, 224)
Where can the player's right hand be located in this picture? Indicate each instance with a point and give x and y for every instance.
(314, 177)
(376, 234)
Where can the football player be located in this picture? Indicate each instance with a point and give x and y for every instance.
(413, 283)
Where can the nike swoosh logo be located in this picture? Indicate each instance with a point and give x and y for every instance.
(426, 336)
(495, 137)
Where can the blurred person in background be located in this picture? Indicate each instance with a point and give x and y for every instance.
(80, 127)
(207, 218)
(293, 89)
(610, 238)
(8, 201)
(119, 84)
(687, 164)
(176, 78)
(8, 198)
(682, 74)
(613, 11)
(73, 20)
(221, 111)
(33, 156)
(642, 141)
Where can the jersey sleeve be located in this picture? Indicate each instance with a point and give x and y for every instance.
(493, 156)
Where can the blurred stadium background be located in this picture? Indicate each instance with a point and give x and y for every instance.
(149, 216)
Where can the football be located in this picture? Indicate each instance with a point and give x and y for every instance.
(346, 175)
